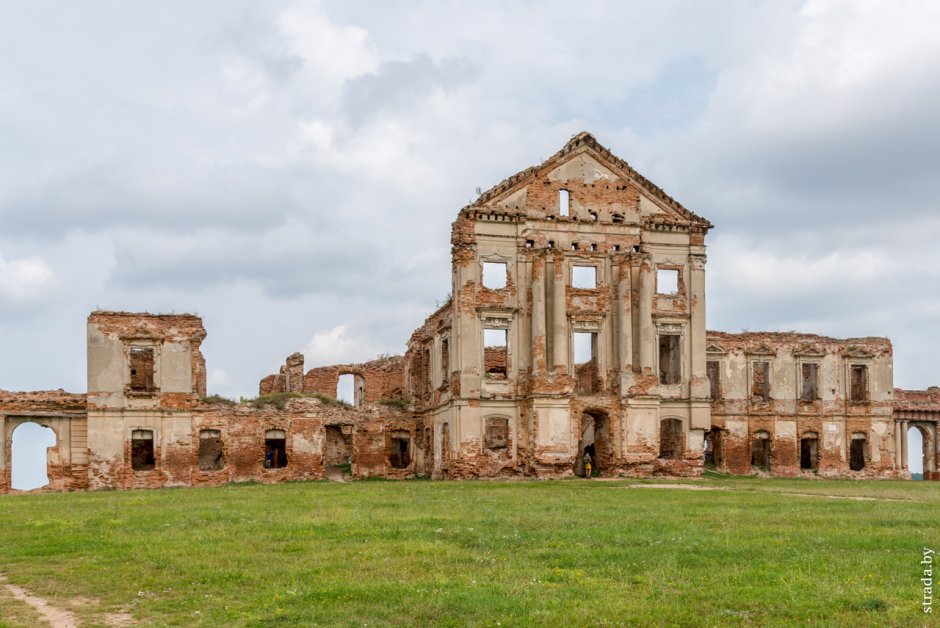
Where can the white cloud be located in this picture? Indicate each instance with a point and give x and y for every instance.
(25, 278)
(339, 346)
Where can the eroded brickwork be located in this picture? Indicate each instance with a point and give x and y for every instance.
(574, 339)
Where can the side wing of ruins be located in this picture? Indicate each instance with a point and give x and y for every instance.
(574, 334)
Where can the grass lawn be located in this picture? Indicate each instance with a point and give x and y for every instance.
(579, 552)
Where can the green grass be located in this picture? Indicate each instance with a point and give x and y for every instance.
(581, 552)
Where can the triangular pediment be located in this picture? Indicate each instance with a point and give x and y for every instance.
(583, 161)
(715, 348)
(855, 351)
(809, 350)
(762, 349)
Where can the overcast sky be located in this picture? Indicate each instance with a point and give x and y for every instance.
(290, 170)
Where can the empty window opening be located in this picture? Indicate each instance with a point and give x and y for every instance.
(810, 388)
(857, 452)
(399, 456)
(593, 216)
(563, 202)
(584, 277)
(760, 381)
(29, 456)
(210, 450)
(616, 247)
(585, 362)
(551, 244)
(670, 369)
(275, 449)
(859, 382)
(593, 246)
(574, 246)
(760, 451)
(141, 368)
(809, 451)
(494, 353)
(670, 439)
(667, 281)
(338, 446)
(142, 458)
(496, 435)
(494, 275)
(445, 360)
(529, 244)
(713, 371)
(346, 388)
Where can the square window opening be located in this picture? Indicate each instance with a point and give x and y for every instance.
(667, 281)
(584, 277)
(494, 275)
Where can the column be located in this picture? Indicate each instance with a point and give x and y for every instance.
(897, 445)
(624, 322)
(538, 316)
(904, 445)
(647, 331)
(699, 381)
(559, 317)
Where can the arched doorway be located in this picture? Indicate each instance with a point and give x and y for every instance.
(29, 455)
(592, 442)
(917, 441)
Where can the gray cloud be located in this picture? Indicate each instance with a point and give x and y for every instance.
(290, 168)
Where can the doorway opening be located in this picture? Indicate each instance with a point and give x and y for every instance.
(592, 445)
(809, 451)
(30, 456)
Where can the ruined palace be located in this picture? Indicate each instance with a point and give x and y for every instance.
(574, 334)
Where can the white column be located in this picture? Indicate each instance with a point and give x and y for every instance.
(559, 317)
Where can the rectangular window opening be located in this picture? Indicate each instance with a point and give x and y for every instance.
(142, 458)
(583, 276)
(857, 452)
(670, 371)
(496, 435)
(809, 452)
(210, 450)
(585, 362)
(445, 360)
(713, 371)
(495, 353)
(399, 456)
(564, 198)
(141, 368)
(494, 275)
(667, 281)
(810, 376)
(760, 382)
(275, 449)
(859, 382)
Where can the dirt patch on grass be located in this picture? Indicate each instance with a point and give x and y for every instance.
(680, 487)
(55, 617)
(859, 498)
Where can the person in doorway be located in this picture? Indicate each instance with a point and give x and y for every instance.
(587, 464)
